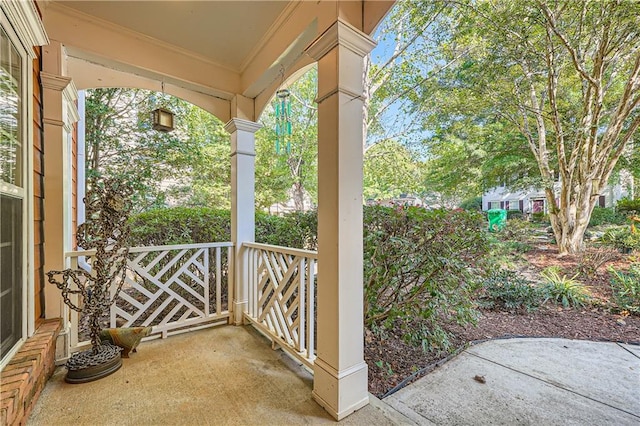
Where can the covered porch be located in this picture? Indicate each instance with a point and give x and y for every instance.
(228, 58)
(221, 375)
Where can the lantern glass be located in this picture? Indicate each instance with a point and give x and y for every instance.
(162, 120)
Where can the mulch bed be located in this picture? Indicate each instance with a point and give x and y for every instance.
(394, 363)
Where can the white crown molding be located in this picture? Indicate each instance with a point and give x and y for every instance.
(236, 124)
(27, 23)
(70, 95)
(277, 24)
(54, 82)
(343, 34)
(110, 26)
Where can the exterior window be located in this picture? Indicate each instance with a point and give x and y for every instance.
(513, 205)
(12, 192)
(494, 205)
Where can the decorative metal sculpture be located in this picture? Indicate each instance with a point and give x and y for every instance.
(107, 232)
(283, 121)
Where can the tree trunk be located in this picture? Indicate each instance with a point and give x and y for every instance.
(297, 193)
(570, 215)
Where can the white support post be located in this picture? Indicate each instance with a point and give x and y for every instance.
(242, 206)
(340, 373)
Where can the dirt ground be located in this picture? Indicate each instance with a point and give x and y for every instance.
(393, 363)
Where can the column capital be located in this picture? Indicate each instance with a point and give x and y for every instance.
(54, 82)
(343, 34)
(236, 124)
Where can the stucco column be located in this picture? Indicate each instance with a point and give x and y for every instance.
(242, 205)
(340, 373)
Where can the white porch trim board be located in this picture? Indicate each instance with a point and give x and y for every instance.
(340, 373)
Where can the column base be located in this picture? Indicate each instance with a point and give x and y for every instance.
(239, 308)
(340, 393)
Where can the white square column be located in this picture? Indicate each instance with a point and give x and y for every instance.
(59, 114)
(242, 207)
(340, 373)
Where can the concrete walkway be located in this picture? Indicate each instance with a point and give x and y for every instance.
(529, 382)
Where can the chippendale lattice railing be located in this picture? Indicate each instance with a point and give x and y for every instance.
(171, 288)
(282, 296)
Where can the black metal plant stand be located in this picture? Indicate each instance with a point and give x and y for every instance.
(107, 232)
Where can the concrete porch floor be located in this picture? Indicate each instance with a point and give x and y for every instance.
(219, 376)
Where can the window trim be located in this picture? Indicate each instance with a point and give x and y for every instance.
(16, 20)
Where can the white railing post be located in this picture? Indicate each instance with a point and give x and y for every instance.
(281, 297)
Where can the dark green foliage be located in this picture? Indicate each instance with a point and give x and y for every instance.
(474, 203)
(180, 225)
(626, 288)
(420, 267)
(514, 214)
(607, 216)
(628, 206)
(506, 290)
(622, 239)
(540, 218)
(296, 230)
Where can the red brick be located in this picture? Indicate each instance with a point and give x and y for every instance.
(11, 398)
(27, 373)
(19, 386)
(13, 366)
(28, 355)
(19, 376)
(6, 411)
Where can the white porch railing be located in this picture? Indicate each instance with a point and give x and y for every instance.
(282, 297)
(172, 288)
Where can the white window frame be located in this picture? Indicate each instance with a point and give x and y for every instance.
(491, 203)
(21, 21)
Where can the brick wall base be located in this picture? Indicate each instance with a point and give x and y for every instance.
(24, 377)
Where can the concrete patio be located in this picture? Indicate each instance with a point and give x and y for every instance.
(219, 376)
(230, 375)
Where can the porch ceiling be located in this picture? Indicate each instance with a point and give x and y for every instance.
(226, 33)
(206, 52)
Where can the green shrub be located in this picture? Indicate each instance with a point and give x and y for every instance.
(561, 289)
(473, 204)
(180, 225)
(296, 230)
(506, 290)
(514, 214)
(540, 218)
(184, 225)
(622, 239)
(626, 288)
(516, 230)
(607, 216)
(419, 265)
(629, 206)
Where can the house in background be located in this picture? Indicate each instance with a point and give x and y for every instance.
(228, 58)
(534, 200)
